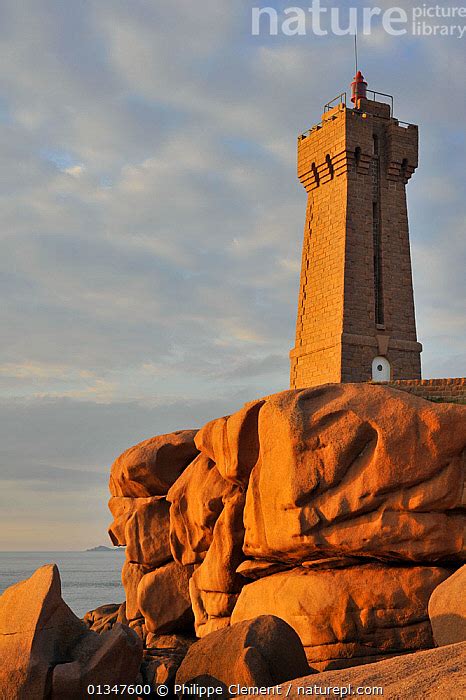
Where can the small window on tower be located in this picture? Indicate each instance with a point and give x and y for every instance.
(404, 169)
(357, 155)
(315, 172)
(376, 145)
(328, 160)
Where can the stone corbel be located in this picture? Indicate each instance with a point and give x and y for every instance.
(383, 342)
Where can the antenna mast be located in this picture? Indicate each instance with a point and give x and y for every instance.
(356, 50)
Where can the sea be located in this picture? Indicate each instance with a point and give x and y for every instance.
(89, 579)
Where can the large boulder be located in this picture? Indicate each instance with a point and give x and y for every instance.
(348, 616)
(131, 576)
(112, 659)
(447, 609)
(143, 525)
(197, 499)
(426, 675)
(163, 657)
(163, 599)
(215, 585)
(37, 631)
(232, 442)
(206, 529)
(121, 508)
(47, 652)
(152, 466)
(212, 609)
(260, 652)
(103, 618)
(357, 469)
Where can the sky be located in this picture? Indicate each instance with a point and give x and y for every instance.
(152, 227)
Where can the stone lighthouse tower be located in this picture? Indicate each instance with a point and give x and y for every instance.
(356, 308)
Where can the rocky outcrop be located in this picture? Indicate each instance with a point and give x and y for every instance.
(156, 588)
(206, 515)
(260, 652)
(447, 610)
(348, 497)
(47, 652)
(338, 509)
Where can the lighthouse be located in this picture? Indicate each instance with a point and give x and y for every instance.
(356, 319)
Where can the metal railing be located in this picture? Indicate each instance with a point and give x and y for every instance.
(341, 99)
(376, 94)
(338, 100)
(307, 133)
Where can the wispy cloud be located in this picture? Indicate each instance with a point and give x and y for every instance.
(152, 219)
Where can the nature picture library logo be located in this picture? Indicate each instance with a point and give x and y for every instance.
(323, 19)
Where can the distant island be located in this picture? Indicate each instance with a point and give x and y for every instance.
(102, 548)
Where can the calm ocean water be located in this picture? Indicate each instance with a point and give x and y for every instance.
(88, 579)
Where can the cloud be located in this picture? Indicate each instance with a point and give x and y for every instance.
(56, 456)
(75, 170)
(255, 367)
(152, 219)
